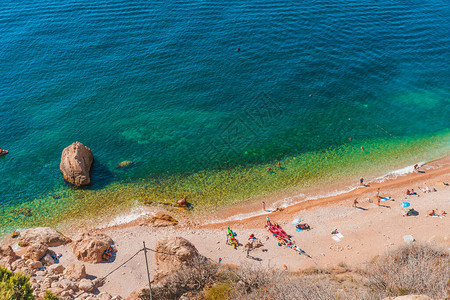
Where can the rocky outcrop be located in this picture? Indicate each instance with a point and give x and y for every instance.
(41, 235)
(35, 251)
(89, 247)
(75, 271)
(172, 253)
(76, 162)
(7, 254)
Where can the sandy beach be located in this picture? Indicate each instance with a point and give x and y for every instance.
(368, 230)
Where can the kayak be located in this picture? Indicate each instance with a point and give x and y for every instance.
(4, 152)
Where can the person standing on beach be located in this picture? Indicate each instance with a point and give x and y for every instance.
(355, 202)
(378, 196)
(264, 206)
(361, 181)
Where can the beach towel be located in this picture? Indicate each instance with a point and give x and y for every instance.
(339, 235)
(298, 229)
(386, 198)
(296, 221)
(405, 204)
(337, 239)
(408, 238)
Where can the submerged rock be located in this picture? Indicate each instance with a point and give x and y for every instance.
(76, 162)
(160, 220)
(125, 164)
(24, 211)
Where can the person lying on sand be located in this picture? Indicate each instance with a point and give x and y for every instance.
(436, 213)
(410, 212)
(411, 192)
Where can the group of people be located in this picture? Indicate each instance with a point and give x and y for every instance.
(411, 192)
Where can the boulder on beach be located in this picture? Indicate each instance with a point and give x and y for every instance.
(76, 162)
(89, 247)
(42, 235)
(75, 271)
(172, 253)
(35, 251)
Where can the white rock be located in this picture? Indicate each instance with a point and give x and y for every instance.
(67, 284)
(85, 284)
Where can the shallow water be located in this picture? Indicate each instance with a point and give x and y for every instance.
(164, 85)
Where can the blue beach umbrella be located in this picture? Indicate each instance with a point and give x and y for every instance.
(404, 204)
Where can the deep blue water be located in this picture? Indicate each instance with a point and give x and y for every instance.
(181, 86)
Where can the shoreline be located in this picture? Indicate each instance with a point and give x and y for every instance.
(247, 212)
(215, 192)
(433, 168)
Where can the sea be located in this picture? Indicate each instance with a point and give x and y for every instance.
(218, 101)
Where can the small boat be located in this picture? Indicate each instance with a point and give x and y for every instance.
(4, 152)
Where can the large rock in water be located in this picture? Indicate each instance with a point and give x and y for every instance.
(42, 235)
(172, 253)
(76, 162)
(89, 247)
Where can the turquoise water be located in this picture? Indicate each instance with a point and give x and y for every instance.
(198, 87)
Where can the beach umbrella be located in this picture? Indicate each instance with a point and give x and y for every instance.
(296, 221)
(404, 204)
